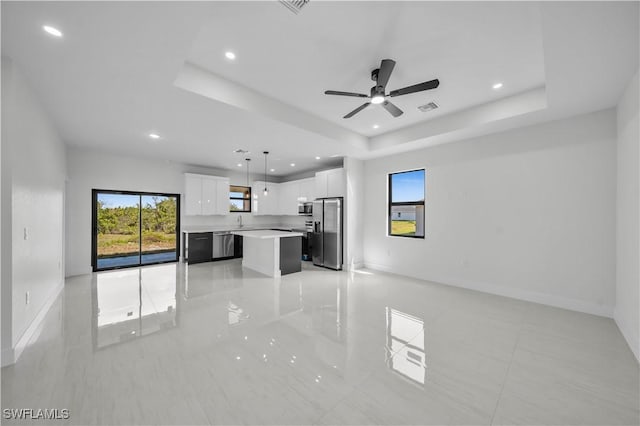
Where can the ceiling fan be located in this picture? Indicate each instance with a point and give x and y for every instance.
(381, 77)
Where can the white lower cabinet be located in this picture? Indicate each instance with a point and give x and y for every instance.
(206, 195)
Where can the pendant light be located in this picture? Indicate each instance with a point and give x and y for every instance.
(247, 160)
(266, 192)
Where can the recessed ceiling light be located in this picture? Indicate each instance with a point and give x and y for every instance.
(53, 31)
(239, 164)
(375, 126)
(317, 158)
(154, 136)
(497, 86)
(292, 164)
(230, 55)
(272, 170)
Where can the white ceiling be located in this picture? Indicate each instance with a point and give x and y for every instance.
(120, 70)
(336, 45)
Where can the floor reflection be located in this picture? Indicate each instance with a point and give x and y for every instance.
(405, 345)
(132, 303)
(308, 348)
(236, 314)
(201, 279)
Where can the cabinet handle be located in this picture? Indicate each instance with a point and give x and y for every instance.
(202, 238)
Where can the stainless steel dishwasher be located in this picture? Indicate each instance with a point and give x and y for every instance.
(222, 245)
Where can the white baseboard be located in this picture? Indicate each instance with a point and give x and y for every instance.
(355, 266)
(83, 271)
(8, 357)
(11, 355)
(514, 293)
(631, 338)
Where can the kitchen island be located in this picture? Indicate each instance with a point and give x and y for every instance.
(273, 253)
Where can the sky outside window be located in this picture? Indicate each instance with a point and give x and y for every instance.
(408, 186)
(118, 200)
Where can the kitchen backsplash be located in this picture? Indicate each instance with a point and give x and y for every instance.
(248, 219)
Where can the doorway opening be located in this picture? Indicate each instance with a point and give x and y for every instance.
(134, 228)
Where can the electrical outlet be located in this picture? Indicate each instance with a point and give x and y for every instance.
(27, 296)
(26, 234)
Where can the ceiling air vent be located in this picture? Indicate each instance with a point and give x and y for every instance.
(428, 107)
(294, 5)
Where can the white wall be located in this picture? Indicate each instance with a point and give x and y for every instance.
(628, 214)
(5, 219)
(89, 170)
(35, 223)
(354, 213)
(528, 213)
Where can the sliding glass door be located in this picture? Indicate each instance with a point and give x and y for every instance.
(134, 228)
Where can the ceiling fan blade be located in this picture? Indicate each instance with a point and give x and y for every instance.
(427, 85)
(386, 67)
(393, 110)
(335, 92)
(357, 110)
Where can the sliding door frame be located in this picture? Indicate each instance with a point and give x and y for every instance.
(94, 227)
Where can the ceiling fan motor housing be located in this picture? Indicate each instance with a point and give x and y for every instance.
(374, 74)
(377, 90)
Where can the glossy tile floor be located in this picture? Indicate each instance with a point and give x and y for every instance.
(216, 344)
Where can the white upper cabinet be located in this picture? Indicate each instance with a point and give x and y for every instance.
(288, 198)
(223, 203)
(330, 183)
(291, 193)
(209, 196)
(192, 195)
(321, 184)
(265, 204)
(206, 195)
(307, 189)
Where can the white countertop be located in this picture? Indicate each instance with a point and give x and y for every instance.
(267, 233)
(198, 229)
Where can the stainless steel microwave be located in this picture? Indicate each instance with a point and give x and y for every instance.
(305, 208)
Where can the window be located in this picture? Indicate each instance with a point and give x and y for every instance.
(240, 199)
(406, 204)
(133, 229)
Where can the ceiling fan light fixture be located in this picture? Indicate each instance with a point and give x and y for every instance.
(378, 94)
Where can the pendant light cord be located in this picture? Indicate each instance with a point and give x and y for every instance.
(248, 159)
(265, 171)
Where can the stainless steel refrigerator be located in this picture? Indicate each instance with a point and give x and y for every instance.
(326, 241)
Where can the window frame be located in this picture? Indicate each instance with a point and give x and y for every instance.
(94, 228)
(248, 200)
(391, 204)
